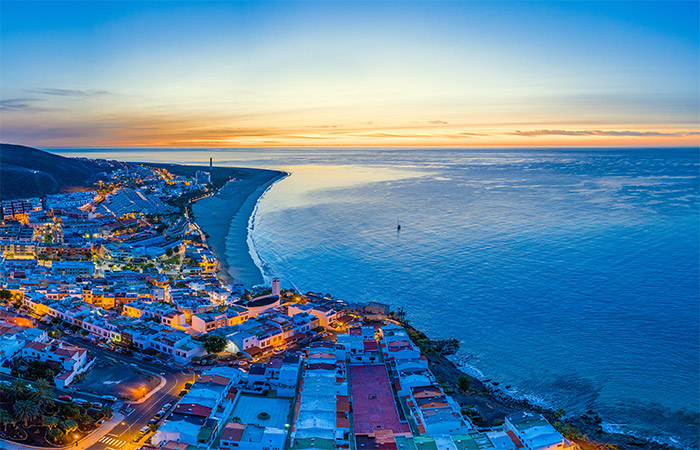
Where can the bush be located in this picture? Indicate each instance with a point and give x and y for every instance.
(464, 383)
(55, 434)
(68, 425)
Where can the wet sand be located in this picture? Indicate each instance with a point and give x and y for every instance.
(224, 219)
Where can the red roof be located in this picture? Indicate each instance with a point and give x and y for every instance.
(193, 410)
(515, 439)
(216, 379)
(233, 432)
(370, 345)
(38, 346)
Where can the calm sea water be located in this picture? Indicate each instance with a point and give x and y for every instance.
(571, 276)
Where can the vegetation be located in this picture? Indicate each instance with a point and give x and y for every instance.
(55, 434)
(27, 411)
(68, 425)
(214, 343)
(6, 419)
(463, 383)
(50, 421)
(567, 430)
(107, 411)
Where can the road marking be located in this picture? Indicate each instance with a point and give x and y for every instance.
(114, 442)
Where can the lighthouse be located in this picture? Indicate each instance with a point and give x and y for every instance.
(275, 286)
(210, 164)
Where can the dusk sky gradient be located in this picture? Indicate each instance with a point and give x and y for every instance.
(91, 74)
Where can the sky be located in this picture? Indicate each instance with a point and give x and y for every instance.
(335, 73)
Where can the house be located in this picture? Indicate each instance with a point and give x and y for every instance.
(535, 433)
(71, 359)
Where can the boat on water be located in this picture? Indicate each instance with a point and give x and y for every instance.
(398, 225)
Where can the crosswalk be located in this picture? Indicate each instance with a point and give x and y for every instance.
(112, 442)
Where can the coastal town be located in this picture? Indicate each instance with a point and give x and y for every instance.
(118, 331)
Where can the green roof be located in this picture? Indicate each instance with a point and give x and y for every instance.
(524, 424)
(205, 434)
(472, 441)
(425, 443)
(306, 443)
(404, 443)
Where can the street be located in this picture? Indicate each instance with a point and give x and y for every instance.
(137, 414)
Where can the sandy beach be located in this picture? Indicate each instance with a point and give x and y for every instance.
(224, 219)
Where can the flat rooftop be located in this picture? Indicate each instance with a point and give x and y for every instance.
(373, 401)
(249, 406)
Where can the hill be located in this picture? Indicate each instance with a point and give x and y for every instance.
(30, 172)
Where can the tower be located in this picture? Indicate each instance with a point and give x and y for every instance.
(275, 286)
(210, 164)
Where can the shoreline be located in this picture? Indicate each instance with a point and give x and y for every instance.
(252, 249)
(489, 400)
(224, 218)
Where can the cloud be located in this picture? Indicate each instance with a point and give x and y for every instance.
(438, 122)
(603, 133)
(17, 104)
(68, 92)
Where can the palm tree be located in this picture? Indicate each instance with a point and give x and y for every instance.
(107, 411)
(19, 388)
(6, 418)
(27, 410)
(43, 393)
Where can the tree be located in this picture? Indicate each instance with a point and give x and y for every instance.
(43, 393)
(464, 383)
(5, 294)
(55, 434)
(50, 421)
(213, 343)
(70, 410)
(27, 411)
(169, 252)
(85, 420)
(152, 427)
(19, 389)
(107, 411)
(6, 418)
(68, 425)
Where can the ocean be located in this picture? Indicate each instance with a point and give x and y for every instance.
(569, 276)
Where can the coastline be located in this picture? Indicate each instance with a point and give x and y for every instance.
(224, 217)
(491, 401)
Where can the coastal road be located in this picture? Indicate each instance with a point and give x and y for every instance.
(137, 414)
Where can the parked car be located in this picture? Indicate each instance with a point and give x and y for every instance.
(97, 405)
(65, 398)
(167, 406)
(5, 383)
(134, 365)
(148, 358)
(109, 398)
(80, 401)
(153, 421)
(143, 430)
